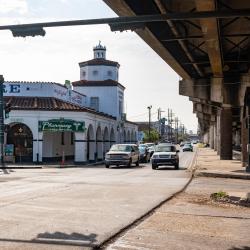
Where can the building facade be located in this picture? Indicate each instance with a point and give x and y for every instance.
(51, 122)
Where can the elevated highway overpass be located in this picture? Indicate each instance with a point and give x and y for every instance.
(208, 44)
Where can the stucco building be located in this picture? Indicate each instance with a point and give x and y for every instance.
(80, 121)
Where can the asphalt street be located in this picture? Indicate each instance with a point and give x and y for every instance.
(78, 208)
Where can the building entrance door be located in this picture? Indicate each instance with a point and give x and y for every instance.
(21, 137)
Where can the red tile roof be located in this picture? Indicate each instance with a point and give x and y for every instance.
(99, 61)
(105, 83)
(47, 104)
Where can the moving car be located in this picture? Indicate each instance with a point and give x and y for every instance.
(165, 154)
(122, 154)
(144, 153)
(187, 147)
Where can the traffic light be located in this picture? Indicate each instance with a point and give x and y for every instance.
(7, 109)
(28, 31)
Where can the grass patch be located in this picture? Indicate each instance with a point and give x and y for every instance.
(218, 195)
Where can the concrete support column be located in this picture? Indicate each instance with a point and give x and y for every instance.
(211, 136)
(218, 133)
(244, 142)
(215, 137)
(80, 148)
(226, 133)
(237, 137)
(206, 137)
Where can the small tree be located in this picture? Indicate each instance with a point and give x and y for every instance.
(154, 136)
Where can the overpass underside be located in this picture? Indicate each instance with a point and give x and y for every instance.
(211, 52)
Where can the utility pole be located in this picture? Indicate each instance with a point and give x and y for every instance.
(149, 121)
(1, 122)
(159, 120)
(171, 120)
(169, 125)
(176, 129)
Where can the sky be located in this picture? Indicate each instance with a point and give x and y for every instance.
(55, 57)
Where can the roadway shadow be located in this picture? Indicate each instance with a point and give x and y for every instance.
(240, 248)
(169, 168)
(126, 167)
(239, 171)
(75, 239)
(58, 238)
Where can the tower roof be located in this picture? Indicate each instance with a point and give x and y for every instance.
(99, 61)
(99, 47)
(105, 83)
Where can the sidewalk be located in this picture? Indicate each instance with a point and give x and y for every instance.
(208, 164)
(192, 220)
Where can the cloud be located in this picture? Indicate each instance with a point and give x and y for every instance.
(19, 6)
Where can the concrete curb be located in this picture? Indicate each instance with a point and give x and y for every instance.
(51, 166)
(24, 167)
(223, 175)
(137, 221)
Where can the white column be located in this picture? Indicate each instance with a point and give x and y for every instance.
(38, 148)
(80, 148)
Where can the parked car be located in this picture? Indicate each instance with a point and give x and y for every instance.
(165, 154)
(122, 154)
(149, 144)
(187, 147)
(144, 153)
(151, 150)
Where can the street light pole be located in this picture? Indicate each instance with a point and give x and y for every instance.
(149, 120)
(1, 121)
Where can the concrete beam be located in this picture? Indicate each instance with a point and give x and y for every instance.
(122, 9)
(211, 36)
(199, 88)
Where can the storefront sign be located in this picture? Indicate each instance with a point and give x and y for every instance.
(61, 125)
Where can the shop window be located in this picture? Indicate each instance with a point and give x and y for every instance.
(62, 138)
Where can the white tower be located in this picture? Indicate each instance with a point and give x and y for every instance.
(99, 51)
(99, 68)
(99, 82)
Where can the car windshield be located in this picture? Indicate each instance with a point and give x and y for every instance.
(142, 149)
(165, 148)
(125, 148)
(187, 145)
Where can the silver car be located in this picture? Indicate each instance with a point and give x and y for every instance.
(122, 154)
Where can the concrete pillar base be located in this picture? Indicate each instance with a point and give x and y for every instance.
(226, 149)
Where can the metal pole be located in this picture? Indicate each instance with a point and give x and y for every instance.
(1, 122)
(168, 125)
(149, 121)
